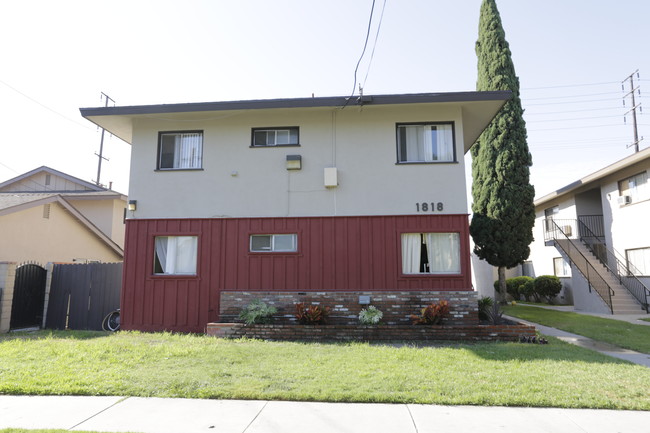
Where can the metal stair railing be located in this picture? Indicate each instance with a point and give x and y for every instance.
(611, 259)
(564, 231)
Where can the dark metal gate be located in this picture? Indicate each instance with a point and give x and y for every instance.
(81, 295)
(29, 296)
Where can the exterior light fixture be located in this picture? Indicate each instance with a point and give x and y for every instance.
(133, 205)
(294, 162)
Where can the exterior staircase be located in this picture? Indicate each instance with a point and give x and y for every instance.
(618, 298)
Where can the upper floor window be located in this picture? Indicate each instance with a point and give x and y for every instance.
(285, 136)
(425, 142)
(284, 243)
(180, 150)
(430, 253)
(634, 189)
(175, 255)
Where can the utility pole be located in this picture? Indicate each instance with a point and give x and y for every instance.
(101, 144)
(634, 107)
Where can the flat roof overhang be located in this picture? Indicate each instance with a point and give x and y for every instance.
(478, 109)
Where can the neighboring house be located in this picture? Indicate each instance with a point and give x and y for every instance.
(604, 214)
(49, 216)
(333, 200)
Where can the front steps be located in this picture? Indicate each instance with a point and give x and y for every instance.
(622, 300)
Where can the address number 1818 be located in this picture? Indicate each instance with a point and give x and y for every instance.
(429, 207)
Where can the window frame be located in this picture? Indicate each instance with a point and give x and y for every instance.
(638, 193)
(159, 150)
(271, 249)
(155, 258)
(564, 262)
(642, 272)
(436, 274)
(398, 145)
(276, 129)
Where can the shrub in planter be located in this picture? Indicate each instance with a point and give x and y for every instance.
(311, 314)
(257, 312)
(370, 316)
(484, 306)
(432, 314)
(547, 286)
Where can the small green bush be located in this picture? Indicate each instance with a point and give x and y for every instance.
(370, 316)
(517, 286)
(547, 286)
(484, 305)
(257, 312)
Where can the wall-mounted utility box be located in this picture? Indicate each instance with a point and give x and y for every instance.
(331, 177)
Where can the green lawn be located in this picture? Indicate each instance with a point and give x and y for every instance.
(617, 332)
(191, 366)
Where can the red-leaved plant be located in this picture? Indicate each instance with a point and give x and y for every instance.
(311, 314)
(432, 314)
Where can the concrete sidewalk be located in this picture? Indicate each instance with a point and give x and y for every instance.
(588, 343)
(134, 414)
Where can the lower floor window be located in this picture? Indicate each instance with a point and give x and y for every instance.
(175, 255)
(561, 267)
(638, 261)
(431, 253)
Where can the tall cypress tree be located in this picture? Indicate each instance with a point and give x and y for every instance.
(503, 208)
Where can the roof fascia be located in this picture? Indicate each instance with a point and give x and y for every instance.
(596, 176)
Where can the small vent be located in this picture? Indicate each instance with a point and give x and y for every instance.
(48, 179)
(46, 211)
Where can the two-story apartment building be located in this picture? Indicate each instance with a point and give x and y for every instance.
(592, 234)
(333, 200)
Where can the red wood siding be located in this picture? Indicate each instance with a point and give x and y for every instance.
(334, 254)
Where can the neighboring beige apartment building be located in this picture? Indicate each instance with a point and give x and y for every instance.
(50, 216)
(604, 214)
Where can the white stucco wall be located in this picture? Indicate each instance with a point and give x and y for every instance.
(238, 180)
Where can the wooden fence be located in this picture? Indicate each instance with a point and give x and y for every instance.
(81, 295)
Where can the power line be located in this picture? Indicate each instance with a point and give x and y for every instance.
(372, 54)
(45, 106)
(571, 119)
(570, 85)
(568, 111)
(365, 45)
(572, 102)
(572, 96)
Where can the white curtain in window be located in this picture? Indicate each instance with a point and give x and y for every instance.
(411, 249)
(445, 143)
(443, 252)
(414, 138)
(428, 141)
(177, 254)
(188, 150)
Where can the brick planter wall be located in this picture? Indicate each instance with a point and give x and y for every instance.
(397, 306)
(379, 333)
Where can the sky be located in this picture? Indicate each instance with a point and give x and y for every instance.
(571, 57)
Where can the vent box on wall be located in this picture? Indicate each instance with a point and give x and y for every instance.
(331, 177)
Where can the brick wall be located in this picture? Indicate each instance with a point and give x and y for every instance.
(397, 306)
(379, 333)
